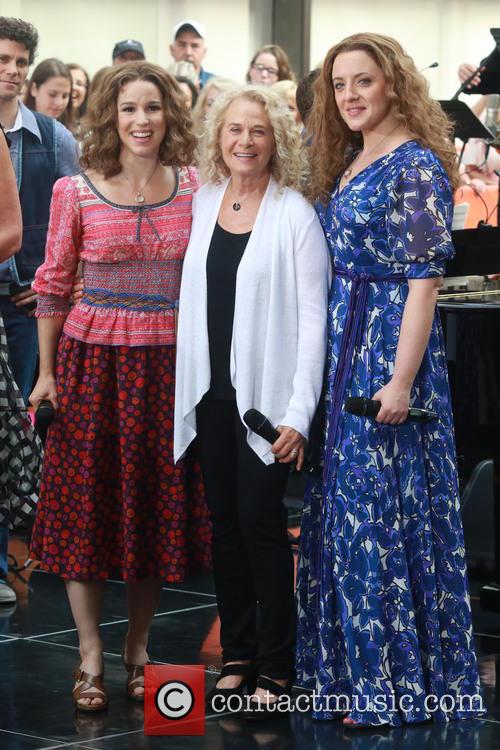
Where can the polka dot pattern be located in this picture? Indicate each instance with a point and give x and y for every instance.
(112, 502)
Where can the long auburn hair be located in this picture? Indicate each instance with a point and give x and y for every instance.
(421, 116)
(101, 148)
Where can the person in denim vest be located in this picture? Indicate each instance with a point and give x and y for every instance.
(42, 150)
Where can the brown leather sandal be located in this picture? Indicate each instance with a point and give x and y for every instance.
(89, 681)
(134, 673)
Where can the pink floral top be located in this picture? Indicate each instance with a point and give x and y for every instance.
(132, 261)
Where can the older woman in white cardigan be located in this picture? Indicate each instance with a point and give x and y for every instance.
(252, 334)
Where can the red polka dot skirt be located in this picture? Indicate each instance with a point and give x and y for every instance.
(112, 502)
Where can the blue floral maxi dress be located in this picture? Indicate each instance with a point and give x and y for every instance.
(384, 610)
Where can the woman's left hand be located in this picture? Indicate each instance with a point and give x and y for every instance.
(77, 290)
(395, 400)
(289, 446)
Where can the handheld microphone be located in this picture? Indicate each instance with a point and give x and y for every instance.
(43, 417)
(260, 424)
(366, 407)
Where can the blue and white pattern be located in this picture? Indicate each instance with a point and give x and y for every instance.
(384, 609)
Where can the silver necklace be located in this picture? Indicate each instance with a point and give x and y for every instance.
(139, 197)
(349, 169)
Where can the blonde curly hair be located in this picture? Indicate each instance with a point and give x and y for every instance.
(421, 116)
(287, 164)
(200, 110)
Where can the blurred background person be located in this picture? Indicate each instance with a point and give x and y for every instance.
(79, 96)
(189, 46)
(11, 222)
(304, 95)
(41, 151)
(107, 366)
(130, 50)
(252, 334)
(487, 78)
(269, 65)
(208, 96)
(189, 91)
(287, 90)
(95, 83)
(49, 91)
(20, 454)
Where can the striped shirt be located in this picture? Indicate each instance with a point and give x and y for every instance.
(132, 261)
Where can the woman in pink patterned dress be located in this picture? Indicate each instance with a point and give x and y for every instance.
(112, 501)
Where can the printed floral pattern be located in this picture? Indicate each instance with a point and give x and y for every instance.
(384, 609)
(112, 501)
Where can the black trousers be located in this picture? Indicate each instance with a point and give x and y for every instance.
(253, 564)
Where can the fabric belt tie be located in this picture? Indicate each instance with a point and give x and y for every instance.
(351, 338)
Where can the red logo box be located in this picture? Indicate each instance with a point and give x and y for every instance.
(174, 700)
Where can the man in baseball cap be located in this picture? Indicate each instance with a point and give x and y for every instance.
(127, 51)
(189, 45)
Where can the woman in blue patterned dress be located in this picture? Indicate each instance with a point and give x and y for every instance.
(385, 631)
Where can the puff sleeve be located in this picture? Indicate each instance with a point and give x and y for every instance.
(419, 221)
(54, 278)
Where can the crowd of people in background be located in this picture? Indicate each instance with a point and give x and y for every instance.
(61, 90)
(122, 176)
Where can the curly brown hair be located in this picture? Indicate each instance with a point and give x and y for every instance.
(285, 72)
(22, 32)
(421, 116)
(101, 148)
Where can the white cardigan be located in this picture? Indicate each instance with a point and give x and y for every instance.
(279, 331)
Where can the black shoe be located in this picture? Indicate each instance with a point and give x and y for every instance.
(217, 699)
(257, 710)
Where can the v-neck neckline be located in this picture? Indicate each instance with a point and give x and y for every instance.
(369, 166)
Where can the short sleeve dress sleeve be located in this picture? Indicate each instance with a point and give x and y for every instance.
(54, 279)
(419, 221)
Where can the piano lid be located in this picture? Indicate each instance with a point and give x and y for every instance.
(485, 299)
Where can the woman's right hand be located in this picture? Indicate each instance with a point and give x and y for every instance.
(44, 390)
(466, 70)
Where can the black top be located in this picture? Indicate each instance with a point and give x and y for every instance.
(224, 256)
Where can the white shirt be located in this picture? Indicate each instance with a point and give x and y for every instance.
(279, 332)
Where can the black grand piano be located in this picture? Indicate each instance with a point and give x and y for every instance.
(471, 322)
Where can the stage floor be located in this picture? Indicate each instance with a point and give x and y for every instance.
(38, 654)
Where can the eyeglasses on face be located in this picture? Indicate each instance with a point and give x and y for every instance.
(265, 69)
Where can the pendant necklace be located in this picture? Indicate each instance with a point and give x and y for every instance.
(349, 169)
(139, 197)
(236, 206)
